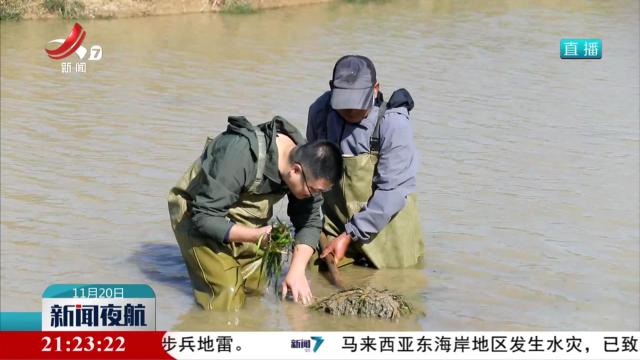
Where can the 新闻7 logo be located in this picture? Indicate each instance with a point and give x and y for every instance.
(73, 44)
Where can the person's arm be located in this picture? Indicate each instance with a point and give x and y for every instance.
(221, 181)
(296, 279)
(394, 178)
(305, 214)
(317, 117)
(311, 120)
(242, 233)
(306, 217)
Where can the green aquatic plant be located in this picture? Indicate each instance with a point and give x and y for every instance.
(275, 252)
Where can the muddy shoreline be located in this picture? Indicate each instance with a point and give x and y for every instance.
(108, 9)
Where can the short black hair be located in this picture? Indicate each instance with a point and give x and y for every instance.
(320, 159)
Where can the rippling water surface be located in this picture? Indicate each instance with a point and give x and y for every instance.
(529, 164)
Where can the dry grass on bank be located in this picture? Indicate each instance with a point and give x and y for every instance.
(79, 9)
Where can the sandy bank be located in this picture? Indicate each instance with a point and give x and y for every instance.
(42, 9)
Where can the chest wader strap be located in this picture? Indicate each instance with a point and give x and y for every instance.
(262, 157)
(374, 140)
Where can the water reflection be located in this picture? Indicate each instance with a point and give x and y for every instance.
(162, 263)
(270, 313)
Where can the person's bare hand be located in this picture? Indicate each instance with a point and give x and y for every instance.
(297, 283)
(338, 247)
(263, 235)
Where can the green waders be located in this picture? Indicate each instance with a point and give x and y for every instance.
(400, 243)
(222, 274)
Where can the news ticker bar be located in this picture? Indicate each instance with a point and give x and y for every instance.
(114, 321)
(320, 345)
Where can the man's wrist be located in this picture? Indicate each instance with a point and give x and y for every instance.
(301, 255)
(351, 233)
(260, 235)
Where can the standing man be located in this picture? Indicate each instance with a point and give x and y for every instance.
(372, 217)
(220, 208)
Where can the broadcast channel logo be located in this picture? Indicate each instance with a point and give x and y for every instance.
(98, 307)
(306, 343)
(73, 45)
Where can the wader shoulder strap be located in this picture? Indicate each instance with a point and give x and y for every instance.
(262, 157)
(374, 140)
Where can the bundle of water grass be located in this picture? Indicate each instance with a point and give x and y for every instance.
(365, 302)
(275, 252)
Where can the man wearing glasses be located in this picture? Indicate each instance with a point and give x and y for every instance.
(372, 217)
(221, 207)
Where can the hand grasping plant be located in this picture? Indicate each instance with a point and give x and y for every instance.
(277, 249)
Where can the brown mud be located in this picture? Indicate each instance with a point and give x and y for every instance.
(365, 302)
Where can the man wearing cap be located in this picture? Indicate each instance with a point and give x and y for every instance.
(372, 218)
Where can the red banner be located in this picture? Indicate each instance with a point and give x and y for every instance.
(82, 345)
